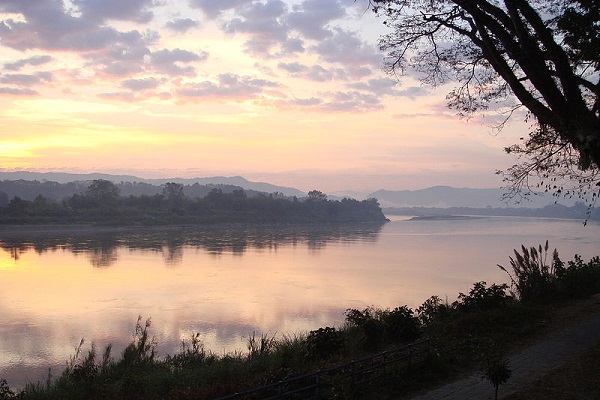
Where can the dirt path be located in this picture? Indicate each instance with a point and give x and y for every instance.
(582, 331)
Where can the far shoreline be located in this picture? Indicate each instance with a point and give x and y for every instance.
(9, 229)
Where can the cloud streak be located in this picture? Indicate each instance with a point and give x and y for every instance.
(33, 61)
(182, 25)
(227, 87)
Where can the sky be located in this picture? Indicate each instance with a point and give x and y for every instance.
(290, 92)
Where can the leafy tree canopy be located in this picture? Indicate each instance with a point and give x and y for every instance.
(173, 191)
(542, 57)
(103, 190)
(316, 195)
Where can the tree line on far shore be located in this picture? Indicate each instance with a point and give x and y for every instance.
(101, 203)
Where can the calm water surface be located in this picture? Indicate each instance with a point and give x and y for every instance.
(60, 287)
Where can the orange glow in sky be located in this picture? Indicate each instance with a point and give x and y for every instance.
(291, 92)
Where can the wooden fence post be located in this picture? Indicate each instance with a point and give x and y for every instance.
(318, 379)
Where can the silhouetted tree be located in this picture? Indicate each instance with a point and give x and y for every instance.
(215, 195)
(544, 55)
(103, 192)
(173, 192)
(316, 195)
(17, 206)
(3, 199)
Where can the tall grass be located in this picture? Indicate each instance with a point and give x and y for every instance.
(536, 277)
(533, 277)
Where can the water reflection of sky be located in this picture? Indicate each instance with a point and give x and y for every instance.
(222, 283)
(227, 283)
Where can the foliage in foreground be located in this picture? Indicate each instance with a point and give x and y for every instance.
(497, 372)
(475, 329)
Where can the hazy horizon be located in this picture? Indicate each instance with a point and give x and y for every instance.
(330, 184)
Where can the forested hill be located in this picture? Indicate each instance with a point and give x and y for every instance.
(102, 203)
(128, 182)
(30, 189)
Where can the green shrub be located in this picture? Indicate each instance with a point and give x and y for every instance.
(481, 297)
(401, 325)
(5, 392)
(381, 327)
(579, 279)
(374, 334)
(324, 342)
(358, 318)
(433, 310)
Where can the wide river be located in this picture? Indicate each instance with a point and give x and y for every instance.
(58, 287)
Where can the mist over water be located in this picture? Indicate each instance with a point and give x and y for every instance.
(228, 282)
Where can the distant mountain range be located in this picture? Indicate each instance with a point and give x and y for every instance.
(216, 180)
(437, 196)
(446, 197)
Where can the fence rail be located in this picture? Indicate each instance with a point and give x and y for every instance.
(355, 373)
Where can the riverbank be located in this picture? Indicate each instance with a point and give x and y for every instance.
(18, 229)
(188, 375)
